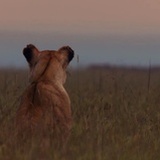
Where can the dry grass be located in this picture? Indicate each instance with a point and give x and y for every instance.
(116, 116)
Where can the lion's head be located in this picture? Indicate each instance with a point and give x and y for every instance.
(49, 64)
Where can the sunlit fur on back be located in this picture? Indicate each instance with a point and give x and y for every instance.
(45, 104)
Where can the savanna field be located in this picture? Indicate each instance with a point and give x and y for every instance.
(116, 115)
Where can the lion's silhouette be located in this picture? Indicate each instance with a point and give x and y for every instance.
(45, 104)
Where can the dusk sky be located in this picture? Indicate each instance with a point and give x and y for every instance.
(104, 31)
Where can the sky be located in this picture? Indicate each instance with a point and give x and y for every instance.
(105, 31)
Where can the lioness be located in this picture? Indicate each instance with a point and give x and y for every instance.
(45, 104)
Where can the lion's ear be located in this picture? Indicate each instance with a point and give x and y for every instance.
(30, 53)
(67, 53)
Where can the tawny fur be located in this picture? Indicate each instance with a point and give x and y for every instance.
(45, 104)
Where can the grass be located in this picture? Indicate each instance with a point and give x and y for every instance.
(116, 114)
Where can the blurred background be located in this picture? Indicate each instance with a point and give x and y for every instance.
(111, 32)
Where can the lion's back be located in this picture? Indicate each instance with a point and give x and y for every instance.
(41, 106)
